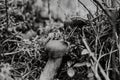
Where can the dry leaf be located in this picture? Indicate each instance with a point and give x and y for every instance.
(84, 52)
(71, 72)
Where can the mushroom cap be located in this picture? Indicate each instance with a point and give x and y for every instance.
(56, 48)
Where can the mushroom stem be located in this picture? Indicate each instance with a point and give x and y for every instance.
(56, 50)
(50, 69)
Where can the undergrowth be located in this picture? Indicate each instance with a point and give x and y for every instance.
(93, 51)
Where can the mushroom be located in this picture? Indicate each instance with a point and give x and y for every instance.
(56, 50)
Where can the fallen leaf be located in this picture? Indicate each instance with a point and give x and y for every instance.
(71, 72)
(84, 52)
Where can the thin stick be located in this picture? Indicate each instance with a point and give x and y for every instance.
(86, 8)
(6, 13)
(92, 55)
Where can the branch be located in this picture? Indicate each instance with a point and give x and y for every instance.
(94, 58)
(86, 8)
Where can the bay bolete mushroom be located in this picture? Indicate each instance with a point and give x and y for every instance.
(56, 50)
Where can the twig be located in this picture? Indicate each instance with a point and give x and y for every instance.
(94, 58)
(113, 20)
(86, 8)
(111, 16)
(103, 8)
(5, 54)
(97, 63)
(6, 13)
(109, 64)
(72, 32)
(118, 2)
